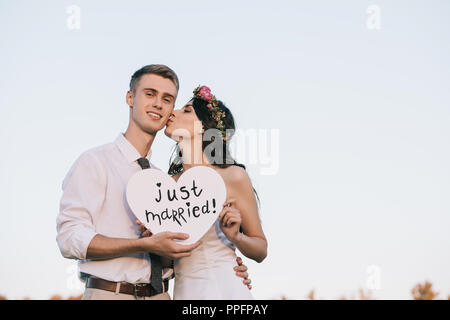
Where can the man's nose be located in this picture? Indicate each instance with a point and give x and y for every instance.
(157, 103)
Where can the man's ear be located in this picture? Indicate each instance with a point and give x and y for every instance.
(129, 98)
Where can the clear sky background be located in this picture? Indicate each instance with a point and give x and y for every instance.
(363, 115)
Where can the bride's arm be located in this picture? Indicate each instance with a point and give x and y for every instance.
(243, 212)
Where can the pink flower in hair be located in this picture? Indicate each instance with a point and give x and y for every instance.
(204, 90)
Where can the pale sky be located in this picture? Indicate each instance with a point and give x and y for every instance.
(362, 115)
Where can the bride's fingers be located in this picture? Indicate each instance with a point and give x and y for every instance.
(228, 212)
(224, 213)
(232, 217)
(239, 260)
(229, 202)
(232, 220)
(247, 281)
(229, 220)
(225, 219)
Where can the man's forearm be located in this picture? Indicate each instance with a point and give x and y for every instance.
(102, 247)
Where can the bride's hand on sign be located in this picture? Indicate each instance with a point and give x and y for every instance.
(230, 221)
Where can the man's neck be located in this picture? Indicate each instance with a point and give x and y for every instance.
(141, 140)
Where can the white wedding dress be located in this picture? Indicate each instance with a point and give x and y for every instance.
(207, 274)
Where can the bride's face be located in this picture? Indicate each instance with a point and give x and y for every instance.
(183, 123)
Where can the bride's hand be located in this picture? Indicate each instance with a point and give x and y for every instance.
(230, 221)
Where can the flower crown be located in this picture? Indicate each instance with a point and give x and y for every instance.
(204, 93)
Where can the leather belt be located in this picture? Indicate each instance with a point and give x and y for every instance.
(138, 290)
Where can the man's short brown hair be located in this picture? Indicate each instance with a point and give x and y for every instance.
(159, 69)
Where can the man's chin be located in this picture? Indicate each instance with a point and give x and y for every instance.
(152, 130)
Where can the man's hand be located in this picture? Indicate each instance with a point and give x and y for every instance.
(163, 243)
(143, 230)
(241, 271)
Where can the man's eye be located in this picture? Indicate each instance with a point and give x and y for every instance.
(167, 100)
(149, 94)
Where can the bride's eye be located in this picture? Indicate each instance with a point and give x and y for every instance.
(187, 110)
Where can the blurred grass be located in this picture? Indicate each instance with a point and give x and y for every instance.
(421, 291)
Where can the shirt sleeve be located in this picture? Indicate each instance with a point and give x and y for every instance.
(84, 189)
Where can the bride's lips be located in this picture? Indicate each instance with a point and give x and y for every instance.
(170, 119)
(154, 115)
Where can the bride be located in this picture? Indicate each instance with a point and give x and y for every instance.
(207, 272)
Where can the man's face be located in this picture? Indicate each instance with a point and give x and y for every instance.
(152, 102)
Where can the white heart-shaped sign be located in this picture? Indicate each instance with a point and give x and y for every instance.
(190, 205)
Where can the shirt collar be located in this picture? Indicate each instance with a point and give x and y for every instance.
(128, 150)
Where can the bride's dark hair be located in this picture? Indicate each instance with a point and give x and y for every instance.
(204, 115)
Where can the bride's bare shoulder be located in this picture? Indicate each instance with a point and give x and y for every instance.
(233, 174)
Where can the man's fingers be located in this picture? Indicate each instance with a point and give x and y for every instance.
(187, 247)
(178, 235)
(142, 228)
(181, 255)
(239, 260)
(247, 281)
(241, 268)
(146, 233)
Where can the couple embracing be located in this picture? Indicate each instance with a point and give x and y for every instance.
(118, 257)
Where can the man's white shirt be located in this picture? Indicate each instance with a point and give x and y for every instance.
(94, 202)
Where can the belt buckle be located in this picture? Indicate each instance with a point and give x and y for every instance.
(135, 289)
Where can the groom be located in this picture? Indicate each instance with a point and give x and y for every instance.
(95, 224)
